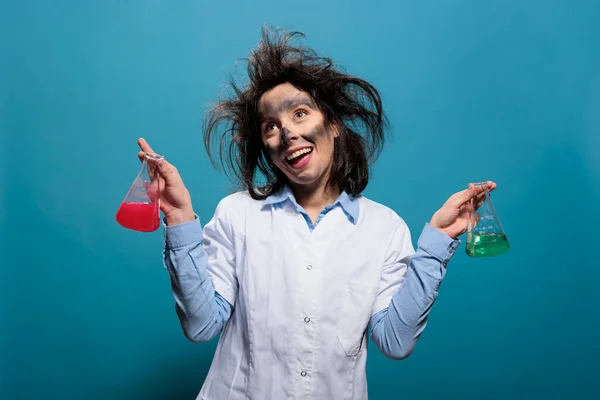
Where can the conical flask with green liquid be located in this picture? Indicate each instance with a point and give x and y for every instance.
(485, 235)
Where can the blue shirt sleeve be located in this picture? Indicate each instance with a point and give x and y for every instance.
(202, 311)
(396, 329)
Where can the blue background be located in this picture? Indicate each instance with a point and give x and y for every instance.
(475, 90)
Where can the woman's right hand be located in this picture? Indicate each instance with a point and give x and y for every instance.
(175, 200)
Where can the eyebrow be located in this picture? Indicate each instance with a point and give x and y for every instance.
(290, 104)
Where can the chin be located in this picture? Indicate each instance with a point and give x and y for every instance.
(303, 179)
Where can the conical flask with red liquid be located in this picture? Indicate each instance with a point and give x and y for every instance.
(140, 210)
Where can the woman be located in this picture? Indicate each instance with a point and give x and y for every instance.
(293, 273)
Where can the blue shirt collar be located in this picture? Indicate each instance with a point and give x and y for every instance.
(348, 203)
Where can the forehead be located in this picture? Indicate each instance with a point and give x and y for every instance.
(283, 97)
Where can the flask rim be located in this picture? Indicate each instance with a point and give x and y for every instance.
(153, 156)
(483, 183)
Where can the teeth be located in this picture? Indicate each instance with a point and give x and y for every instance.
(298, 153)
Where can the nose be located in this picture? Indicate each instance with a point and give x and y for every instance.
(287, 136)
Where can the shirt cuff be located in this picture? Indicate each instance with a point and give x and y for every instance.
(437, 244)
(181, 235)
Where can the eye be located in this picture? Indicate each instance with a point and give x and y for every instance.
(300, 114)
(270, 127)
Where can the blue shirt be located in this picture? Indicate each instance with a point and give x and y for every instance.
(349, 206)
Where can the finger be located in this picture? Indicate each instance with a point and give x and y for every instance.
(144, 146)
(153, 189)
(478, 204)
(489, 185)
(473, 219)
(463, 221)
(481, 195)
(167, 171)
(480, 198)
(477, 218)
(460, 198)
(480, 190)
(464, 211)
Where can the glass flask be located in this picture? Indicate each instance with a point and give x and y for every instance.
(485, 235)
(140, 210)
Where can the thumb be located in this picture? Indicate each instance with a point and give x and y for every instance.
(460, 198)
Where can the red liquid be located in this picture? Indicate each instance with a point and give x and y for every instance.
(141, 217)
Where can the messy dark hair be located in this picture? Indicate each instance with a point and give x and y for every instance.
(350, 104)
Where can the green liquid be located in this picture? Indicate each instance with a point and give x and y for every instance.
(487, 245)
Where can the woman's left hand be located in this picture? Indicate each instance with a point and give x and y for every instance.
(453, 217)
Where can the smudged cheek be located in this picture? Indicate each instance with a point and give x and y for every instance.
(274, 157)
(270, 151)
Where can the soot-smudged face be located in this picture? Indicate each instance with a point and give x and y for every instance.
(295, 135)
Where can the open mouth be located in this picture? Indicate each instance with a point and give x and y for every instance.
(299, 158)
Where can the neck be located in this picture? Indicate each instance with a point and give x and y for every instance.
(315, 197)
